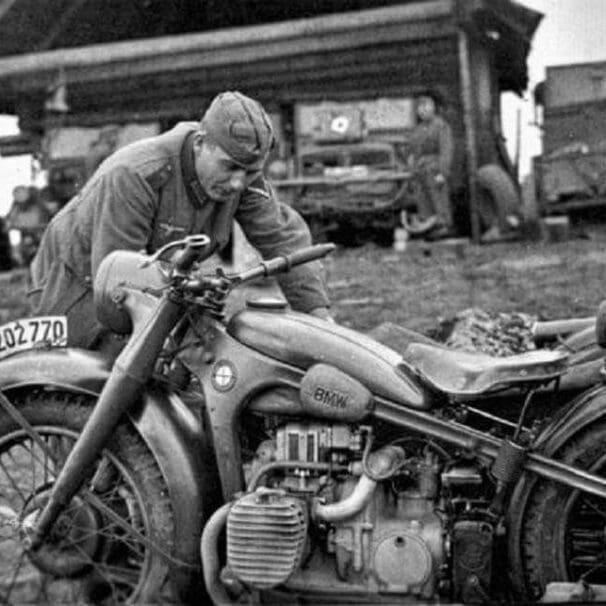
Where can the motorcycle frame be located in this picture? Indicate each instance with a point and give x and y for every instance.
(257, 375)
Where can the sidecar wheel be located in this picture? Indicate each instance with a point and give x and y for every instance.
(561, 532)
(91, 555)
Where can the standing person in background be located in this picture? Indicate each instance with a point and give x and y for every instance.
(26, 221)
(6, 257)
(432, 148)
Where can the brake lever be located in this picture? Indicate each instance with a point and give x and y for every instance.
(195, 243)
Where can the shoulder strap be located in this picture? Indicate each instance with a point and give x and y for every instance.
(160, 177)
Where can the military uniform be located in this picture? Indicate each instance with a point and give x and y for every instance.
(432, 148)
(142, 197)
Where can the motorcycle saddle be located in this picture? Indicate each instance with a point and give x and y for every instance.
(462, 373)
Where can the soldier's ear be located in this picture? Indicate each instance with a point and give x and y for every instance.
(198, 140)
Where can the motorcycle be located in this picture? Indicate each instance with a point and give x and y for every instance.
(274, 456)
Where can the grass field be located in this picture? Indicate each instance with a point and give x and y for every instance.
(426, 283)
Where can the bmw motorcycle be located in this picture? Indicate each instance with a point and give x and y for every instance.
(273, 456)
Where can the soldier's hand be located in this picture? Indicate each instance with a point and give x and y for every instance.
(322, 313)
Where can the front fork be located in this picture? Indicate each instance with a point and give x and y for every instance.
(132, 369)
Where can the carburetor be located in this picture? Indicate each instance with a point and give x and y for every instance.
(308, 444)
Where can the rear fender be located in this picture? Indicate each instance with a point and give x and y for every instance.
(583, 411)
(586, 409)
(171, 429)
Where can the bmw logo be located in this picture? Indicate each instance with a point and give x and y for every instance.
(223, 375)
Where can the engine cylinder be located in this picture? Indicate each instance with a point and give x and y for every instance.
(266, 532)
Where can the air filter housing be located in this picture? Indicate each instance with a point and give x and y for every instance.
(266, 532)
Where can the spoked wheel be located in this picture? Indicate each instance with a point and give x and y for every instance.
(563, 531)
(102, 549)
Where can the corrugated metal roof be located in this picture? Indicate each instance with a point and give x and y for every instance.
(380, 51)
(35, 25)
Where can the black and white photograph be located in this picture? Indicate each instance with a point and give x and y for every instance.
(302, 302)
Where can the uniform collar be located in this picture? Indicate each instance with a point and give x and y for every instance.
(195, 192)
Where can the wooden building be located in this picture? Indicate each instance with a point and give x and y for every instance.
(86, 64)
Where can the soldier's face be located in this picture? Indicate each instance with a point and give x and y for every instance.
(221, 177)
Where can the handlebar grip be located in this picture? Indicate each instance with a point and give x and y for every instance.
(285, 262)
(311, 253)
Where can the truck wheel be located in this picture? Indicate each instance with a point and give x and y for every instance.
(498, 197)
(89, 556)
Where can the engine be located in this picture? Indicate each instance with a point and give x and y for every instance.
(327, 513)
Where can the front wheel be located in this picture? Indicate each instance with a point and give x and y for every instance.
(560, 534)
(95, 552)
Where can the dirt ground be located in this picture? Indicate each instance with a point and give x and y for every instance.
(426, 283)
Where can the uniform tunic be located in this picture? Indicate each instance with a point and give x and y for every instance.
(142, 197)
(432, 147)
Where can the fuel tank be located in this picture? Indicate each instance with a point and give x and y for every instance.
(301, 340)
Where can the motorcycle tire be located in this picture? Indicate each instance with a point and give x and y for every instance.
(89, 555)
(559, 534)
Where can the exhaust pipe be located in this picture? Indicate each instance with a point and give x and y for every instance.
(381, 464)
(209, 554)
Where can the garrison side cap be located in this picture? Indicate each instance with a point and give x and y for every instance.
(241, 127)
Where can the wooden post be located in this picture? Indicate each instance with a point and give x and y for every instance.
(518, 148)
(470, 132)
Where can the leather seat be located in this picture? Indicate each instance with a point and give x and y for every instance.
(462, 373)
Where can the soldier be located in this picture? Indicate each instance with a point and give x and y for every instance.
(28, 218)
(195, 178)
(432, 147)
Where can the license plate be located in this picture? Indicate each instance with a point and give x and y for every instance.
(43, 331)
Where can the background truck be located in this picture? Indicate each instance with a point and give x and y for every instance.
(348, 174)
(570, 174)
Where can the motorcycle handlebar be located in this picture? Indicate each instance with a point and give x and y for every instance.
(224, 283)
(194, 245)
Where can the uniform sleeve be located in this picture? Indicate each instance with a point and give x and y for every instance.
(124, 214)
(446, 145)
(273, 229)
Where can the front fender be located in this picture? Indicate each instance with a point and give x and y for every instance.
(171, 429)
(71, 369)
